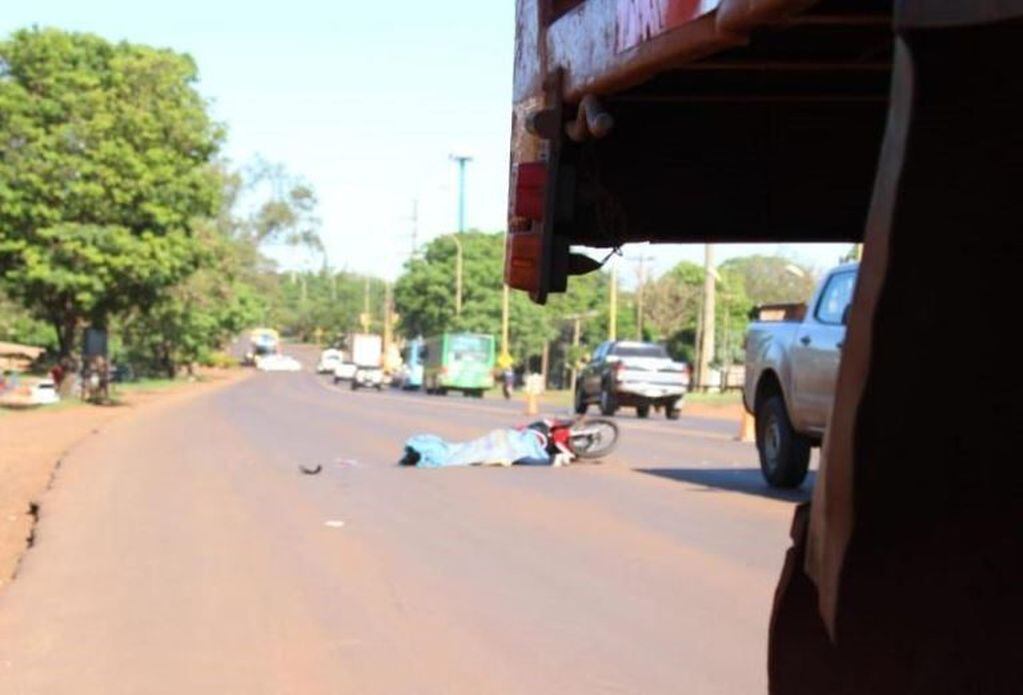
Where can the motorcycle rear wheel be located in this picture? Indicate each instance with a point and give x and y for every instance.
(593, 438)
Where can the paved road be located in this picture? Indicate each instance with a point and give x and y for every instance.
(180, 551)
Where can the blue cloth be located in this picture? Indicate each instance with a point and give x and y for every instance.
(497, 448)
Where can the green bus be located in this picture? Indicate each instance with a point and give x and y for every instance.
(458, 362)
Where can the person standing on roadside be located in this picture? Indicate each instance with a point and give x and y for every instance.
(507, 382)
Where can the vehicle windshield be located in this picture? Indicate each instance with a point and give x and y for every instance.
(469, 348)
(639, 351)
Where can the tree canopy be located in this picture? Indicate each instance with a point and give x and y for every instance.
(105, 153)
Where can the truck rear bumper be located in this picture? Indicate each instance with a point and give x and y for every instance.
(648, 392)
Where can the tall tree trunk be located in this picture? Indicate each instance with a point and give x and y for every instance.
(66, 329)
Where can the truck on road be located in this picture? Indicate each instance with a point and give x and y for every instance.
(791, 369)
(262, 342)
(363, 361)
(632, 374)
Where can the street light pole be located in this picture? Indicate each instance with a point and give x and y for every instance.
(458, 275)
(462, 160)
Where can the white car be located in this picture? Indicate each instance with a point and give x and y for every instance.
(30, 391)
(329, 360)
(278, 363)
(344, 371)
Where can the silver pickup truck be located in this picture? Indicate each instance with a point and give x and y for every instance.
(792, 357)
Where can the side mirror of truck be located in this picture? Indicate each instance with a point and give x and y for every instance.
(845, 314)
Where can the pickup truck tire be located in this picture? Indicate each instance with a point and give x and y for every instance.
(784, 453)
(643, 411)
(581, 406)
(608, 406)
(672, 411)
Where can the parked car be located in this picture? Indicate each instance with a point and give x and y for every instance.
(792, 357)
(329, 360)
(632, 374)
(25, 391)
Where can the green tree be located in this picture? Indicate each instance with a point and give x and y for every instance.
(198, 315)
(771, 279)
(18, 326)
(288, 214)
(425, 294)
(105, 154)
(672, 302)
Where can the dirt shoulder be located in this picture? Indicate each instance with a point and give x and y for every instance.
(33, 442)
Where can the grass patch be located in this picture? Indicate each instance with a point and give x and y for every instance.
(721, 400)
(146, 385)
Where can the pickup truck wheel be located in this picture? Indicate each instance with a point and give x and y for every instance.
(672, 411)
(784, 453)
(607, 402)
(581, 406)
(643, 411)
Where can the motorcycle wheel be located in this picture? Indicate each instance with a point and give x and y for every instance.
(593, 438)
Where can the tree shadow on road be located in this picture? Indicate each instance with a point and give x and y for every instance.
(745, 480)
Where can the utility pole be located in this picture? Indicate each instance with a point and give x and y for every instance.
(388, 317)
(707, 325)
(612, 324)
(576, 320)
(641, 285)
(364, 319)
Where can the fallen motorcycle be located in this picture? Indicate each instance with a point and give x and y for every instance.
(549, 442)
(582, 437)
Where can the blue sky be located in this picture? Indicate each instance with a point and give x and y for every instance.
(364, 100)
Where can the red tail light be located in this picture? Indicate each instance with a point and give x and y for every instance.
(524, 247)
(530, 183)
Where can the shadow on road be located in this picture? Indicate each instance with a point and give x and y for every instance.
(746, 480)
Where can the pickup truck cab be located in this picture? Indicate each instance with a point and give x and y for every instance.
(632, 374)
(791, 369)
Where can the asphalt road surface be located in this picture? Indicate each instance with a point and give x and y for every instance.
(181, 551)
